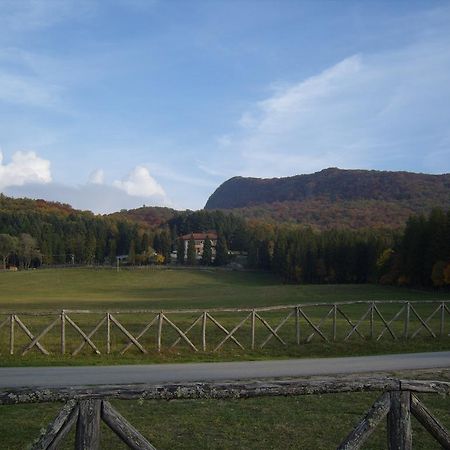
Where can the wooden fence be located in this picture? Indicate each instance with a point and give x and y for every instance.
(292, 324)
(86, 407)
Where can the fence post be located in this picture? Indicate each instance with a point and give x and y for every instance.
(442, 327)
(160, 322)
(334, 322)
(108, 333)
(372, 325)
(399, 421)
(88, 426)
(253, 330)
(407, 316)
(63, 332)
(11, 335)
(297, 324)
(204, 331)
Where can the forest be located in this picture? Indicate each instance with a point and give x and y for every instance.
(34, 233)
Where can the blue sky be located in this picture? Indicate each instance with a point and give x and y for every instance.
(115, 104)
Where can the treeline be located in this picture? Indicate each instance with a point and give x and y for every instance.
(421, 257)
(308, 256)
(64, 235)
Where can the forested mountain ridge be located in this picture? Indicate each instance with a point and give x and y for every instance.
(335, 197)
(152, 216)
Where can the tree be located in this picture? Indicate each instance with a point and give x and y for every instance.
(221, 252)
(180, 251)
(27, 249)
(191, 253)
(207, 252)
(132, 254)
(7, 245)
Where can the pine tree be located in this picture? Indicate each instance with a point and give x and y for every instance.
(191, 253)
(180, 251)
(221, 252)
(207, 252)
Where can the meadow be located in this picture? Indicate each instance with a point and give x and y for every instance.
(292, 422)
(167, 289)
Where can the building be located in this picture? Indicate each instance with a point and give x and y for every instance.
(199, 239)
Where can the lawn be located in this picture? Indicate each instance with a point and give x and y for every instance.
(168, 289)
(160, 289)
(291, 422)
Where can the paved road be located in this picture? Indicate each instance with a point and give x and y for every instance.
(160, 373)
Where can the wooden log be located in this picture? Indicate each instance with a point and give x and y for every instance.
(322, 321)
(367, 424)
(372, 323)
(87, 435)
(230, 334)
(221, 327)
(108, 333)
(253, 330)
(238, 389)
(312, 325)
(89, 336)
(427, 386)
(11, 334)
(386, 325)
(422, 321)
(63, 333)
(334, 323)
(271, 335)
(426, 322)
(342, 313)
(127, 334)
(36, 339)
(189, 328)
(429, 422)
(391, 322)
(357, 324)
(59, 428)
(407, 320)
(399, 421)
(274, 333)
(83, 334)
(144, 330)
(159, 332)
(30, 335)
(126, 432)
(177, 329)
(204, 317)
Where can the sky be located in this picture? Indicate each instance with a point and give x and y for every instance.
(116, 104)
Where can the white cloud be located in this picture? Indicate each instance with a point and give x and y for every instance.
(25, 167)
(99, 198)
(386, 110)
(97, 176)
(140, 183)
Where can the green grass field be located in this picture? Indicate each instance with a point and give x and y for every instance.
(168, 289)
(160, 289)
(278, 423)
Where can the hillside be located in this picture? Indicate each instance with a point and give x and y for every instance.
(335, 197)
(151, 216)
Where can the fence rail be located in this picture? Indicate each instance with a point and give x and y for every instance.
(86, 407)
(288, 325)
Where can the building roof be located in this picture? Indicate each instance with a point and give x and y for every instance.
(212, 235)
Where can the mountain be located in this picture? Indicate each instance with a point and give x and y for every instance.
(335, 197)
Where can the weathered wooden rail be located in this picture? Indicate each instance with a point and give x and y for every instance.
(302, 326)
(86, 407)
